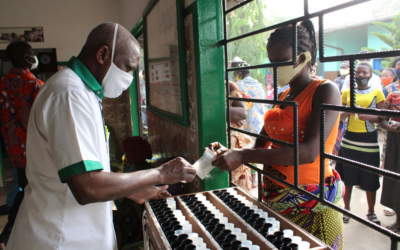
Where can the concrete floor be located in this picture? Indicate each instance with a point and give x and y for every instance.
(356, 235)
(359, 237)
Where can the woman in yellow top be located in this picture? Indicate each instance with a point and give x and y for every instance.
(360, 141)
(309, 93)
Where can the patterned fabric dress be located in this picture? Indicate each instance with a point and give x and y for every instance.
(242, 175)
(18, 89)
(323, 222)
(251, 88)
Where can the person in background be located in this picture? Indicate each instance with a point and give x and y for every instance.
(396, 66)
(360, 141)
(250, 88)
(270, 91)
(242, 175)
(390, 81)
(67, 203)
(344, 71)
(18, 90)
(374, 81)
(391, 146)
(309, 93)
(390, 187)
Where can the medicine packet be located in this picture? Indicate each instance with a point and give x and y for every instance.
(204, 165)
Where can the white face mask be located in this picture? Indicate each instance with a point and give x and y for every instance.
(116, 80)
(344, 72)
(35, 64)
(286, 73)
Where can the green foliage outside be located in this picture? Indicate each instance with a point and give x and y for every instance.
(390, 37)
(253, 49)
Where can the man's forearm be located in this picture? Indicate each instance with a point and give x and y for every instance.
(104, 186)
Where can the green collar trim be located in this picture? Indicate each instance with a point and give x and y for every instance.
(86, 76)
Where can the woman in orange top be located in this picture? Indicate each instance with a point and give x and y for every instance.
(309, 93)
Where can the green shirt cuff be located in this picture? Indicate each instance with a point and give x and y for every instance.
(78, 168)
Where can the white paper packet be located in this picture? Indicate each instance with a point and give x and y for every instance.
(204, 165)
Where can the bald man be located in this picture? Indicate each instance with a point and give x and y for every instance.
(67, 201)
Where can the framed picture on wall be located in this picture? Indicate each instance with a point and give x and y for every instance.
(164, 57)
(28, 34)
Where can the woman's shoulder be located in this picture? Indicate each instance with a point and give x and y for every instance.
(326, 86)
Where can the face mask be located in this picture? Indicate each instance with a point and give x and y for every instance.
(344, 72)
(386, 80)
(116, 80)
(362, 81)
(35, 64)
(285, 74)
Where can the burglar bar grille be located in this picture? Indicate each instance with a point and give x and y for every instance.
(395, 238)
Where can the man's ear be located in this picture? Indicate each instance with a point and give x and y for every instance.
(103, 55)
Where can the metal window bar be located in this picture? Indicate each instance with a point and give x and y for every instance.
(395, 238)
(227, 85)
(323, 155)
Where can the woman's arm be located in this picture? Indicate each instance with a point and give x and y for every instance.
(237, 114)
(373, 118)
(309, 148)
(260, 142)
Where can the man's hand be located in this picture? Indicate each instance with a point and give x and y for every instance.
(229, 160)
(148, 193)
(177, 170)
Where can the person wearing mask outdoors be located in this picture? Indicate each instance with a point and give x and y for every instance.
(374, 81)
(390, 81)
(360, 141)
(344, 71)
(68, 200)
(18, 89)
(388, 76)
(309, 93)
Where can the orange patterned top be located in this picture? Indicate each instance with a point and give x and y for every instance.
(278, 124)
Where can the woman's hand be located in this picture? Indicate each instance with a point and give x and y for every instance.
(217, 148)
(344, 116)
(391, 126)
(229, 160)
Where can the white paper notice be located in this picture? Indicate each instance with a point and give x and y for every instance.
(204, 165)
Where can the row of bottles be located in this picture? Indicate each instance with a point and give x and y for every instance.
(175, 226)
(225, 233)
(267, 226)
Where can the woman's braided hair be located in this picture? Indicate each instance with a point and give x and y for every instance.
(305, 38)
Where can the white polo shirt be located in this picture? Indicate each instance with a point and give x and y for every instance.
(66, 137)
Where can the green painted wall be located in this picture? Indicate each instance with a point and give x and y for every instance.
(208, 31)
